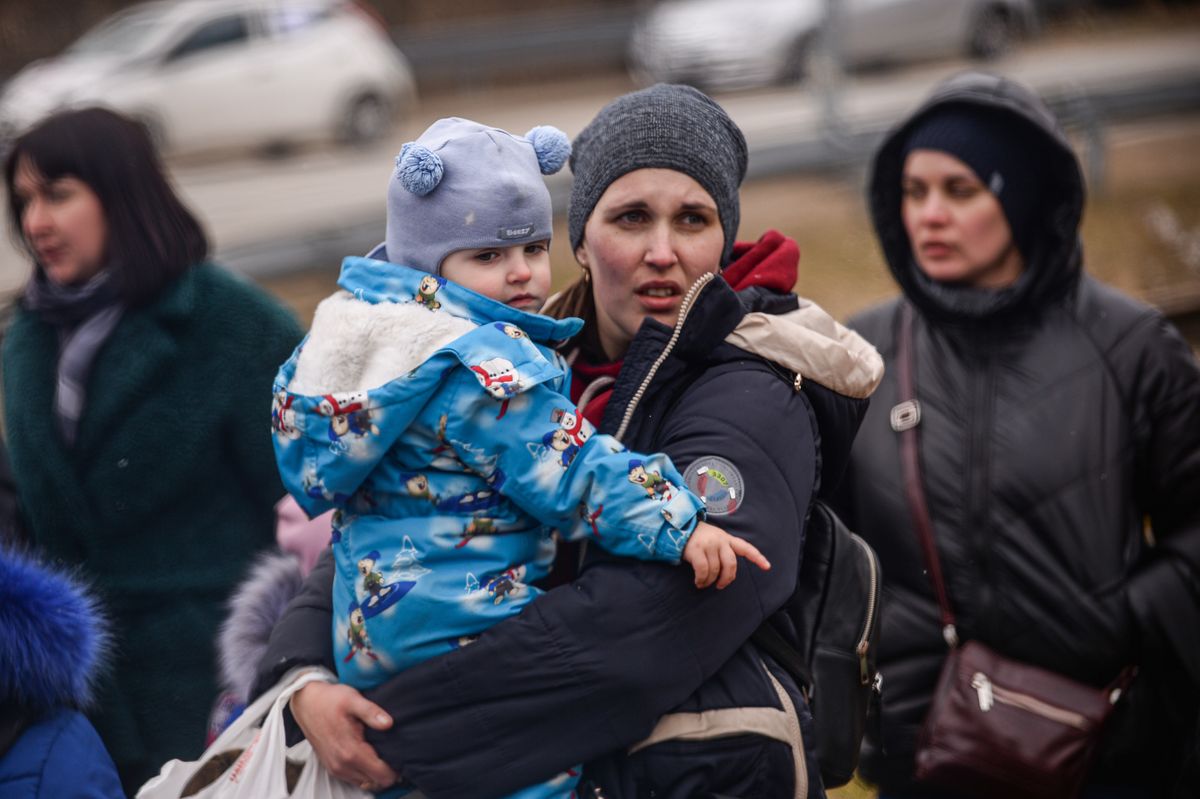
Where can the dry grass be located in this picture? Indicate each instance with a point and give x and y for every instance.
(856, 789)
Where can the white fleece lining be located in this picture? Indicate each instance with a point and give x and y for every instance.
(815, 346)
(358, 346)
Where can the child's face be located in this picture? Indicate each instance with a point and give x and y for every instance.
(518, 276)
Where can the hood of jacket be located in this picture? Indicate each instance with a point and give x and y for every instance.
(254, 609)
(837, 369)
(53, 637)
(378, 351)
(1053, 266)
(792, 331)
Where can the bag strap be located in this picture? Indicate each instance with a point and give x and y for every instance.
(772, 643)
(905, 417)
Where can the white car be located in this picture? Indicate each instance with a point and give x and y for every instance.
(727, 44)
(205, 74)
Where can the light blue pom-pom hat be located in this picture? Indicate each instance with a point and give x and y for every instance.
(463, 185)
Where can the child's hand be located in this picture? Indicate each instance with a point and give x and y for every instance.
(713, 554)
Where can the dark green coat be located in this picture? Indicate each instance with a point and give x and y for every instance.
(167, 494)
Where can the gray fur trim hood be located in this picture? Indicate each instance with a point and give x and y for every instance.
(254, 608)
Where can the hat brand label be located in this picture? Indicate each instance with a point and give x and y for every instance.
(515, 231)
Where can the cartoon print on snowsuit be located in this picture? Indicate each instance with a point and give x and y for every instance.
(573, 424)
(480, 525)
(656, 486)
(426, 291)
(418, 486)
(512, 331)
(376, 594)
(443, 454)
(356, 635)
(566, 439)
(347, 414)
(559, 441)
(500, 379)
(495, 494)
(372, 579)
(506, 583)
(283, 418)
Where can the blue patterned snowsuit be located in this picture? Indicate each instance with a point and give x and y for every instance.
(451, 471)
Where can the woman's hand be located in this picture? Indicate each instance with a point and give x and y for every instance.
(713, 555)
(332, 716)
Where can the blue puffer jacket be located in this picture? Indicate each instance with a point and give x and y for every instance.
(51, 641)
(433, 419)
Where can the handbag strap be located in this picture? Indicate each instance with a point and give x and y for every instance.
(905, 417)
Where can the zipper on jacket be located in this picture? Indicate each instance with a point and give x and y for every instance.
(684, 308)
(989, 693)
(864, 672)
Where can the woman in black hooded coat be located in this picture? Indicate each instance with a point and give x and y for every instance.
(1060, 440)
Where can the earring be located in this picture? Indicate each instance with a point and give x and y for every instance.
(587, 275)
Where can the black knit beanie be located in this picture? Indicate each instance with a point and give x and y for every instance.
(663, 127)
(997, 148)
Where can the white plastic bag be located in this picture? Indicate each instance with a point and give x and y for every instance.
(259, 772)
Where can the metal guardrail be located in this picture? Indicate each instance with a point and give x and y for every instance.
(567, 42)
(852, 147)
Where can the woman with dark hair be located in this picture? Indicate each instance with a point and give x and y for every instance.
(691, 347)
(134, 380)
(1059, 445)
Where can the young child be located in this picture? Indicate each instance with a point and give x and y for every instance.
(429, 408)
(54, 647)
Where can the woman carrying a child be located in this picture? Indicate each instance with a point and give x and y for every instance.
(426, 407)
(629, 669)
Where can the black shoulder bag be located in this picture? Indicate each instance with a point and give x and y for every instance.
(835, 610)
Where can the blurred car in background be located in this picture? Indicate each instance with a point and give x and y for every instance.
(205, 74)
(726, 44)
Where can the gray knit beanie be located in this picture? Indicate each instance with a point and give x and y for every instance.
(663, 127)
(465, 186)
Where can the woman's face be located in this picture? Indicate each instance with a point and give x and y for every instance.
(957, 228)
(63, 222)
(652, 234)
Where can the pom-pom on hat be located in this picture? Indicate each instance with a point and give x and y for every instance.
(466, 186)
(666, 126)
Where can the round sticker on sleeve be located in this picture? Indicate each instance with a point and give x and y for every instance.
(717, 482)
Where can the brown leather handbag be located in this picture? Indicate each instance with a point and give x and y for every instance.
(997, 728)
